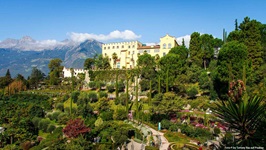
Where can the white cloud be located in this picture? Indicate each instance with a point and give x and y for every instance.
(150, 44)
(124, 35)
(186, 39)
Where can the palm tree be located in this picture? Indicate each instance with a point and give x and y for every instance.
(244, 116)
(114, 56)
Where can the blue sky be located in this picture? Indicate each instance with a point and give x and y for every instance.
(145, 21)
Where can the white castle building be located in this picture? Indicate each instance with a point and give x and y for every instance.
(67, 72)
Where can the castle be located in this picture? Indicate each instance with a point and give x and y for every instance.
(125, 54)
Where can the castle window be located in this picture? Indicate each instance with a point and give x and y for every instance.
(117, 47)
(104, 48)
(169, 45)
(128, 46)
(163, 53)
(122, 46)
(164, 46)
(133, 46)
(108, 47)
(128, 52)
(113, 47)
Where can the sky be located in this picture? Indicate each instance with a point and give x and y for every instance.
(123, 20)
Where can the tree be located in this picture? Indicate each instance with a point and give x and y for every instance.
(181, 51)
(114, 56)
(74, 128)
(251, 37)
(6, 80)
(36, 77)
(207, 49)
(194, 48)
(231, 60)
(55, 71)
(89, 63)
(102, 62)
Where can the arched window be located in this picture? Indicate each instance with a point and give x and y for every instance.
(169, 45)
(164, 46)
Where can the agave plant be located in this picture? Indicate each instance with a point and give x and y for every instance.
(245, 117)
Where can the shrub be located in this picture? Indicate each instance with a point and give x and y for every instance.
(63, 118)
(192, 92)
(110, 88)
(43, 124)
(165, 124)
(93, 96)
(173, 128)
(75, 96)
(36, 111)
(120, 114)
(36, 121)
(216, 131)
(60, 106)
(75, 127)
(169, 96)
(93, 85)
(121, 86)
(51, 128)
(107, 115)
(55, 115)
(103, 94)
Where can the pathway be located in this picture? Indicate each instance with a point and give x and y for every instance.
(157, 136)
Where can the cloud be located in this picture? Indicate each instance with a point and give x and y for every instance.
(150, 44)
(186, 39)
(124, 35)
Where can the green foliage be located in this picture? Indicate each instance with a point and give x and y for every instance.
(102, 62)
(36, 111)
(204, 81)
(231, 60)
(111, 88)
(55, 71)
(93, 96)
(98, 122)
(43, 124)
(181, 51)
(106, 115)
(120, 114)
(194, 48)
(88, 64)
(74, 96)
(63, 118)
(103, 94)
(245, 118)
(36, 121)
(192, 91)
(60, 106)
(51, 128)
(121, 86)
(93, 85)
(165, 124)
(35, 77)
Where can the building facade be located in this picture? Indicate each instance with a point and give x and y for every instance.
(125, 54)
(67, 72)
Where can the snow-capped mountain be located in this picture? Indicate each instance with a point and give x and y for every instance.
(27, 43)
(20, 55)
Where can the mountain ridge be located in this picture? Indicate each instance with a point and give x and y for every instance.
(17, 56)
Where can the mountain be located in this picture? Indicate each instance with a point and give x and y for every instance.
(19, 56)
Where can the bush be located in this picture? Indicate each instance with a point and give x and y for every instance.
(55, 115)
(103, 94)
(93, 85)
(120, 114)
(107, 115)
(51, 128)
(169, 96)
(110, 88)
(121, 86)
(93, 96)
(60, 106)
(36, 111)
(216, 131)
(63, 118)
(75, 96)
(192, 92)
(173, 128)
(36, 121)
(43, 124)
(165, 124)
